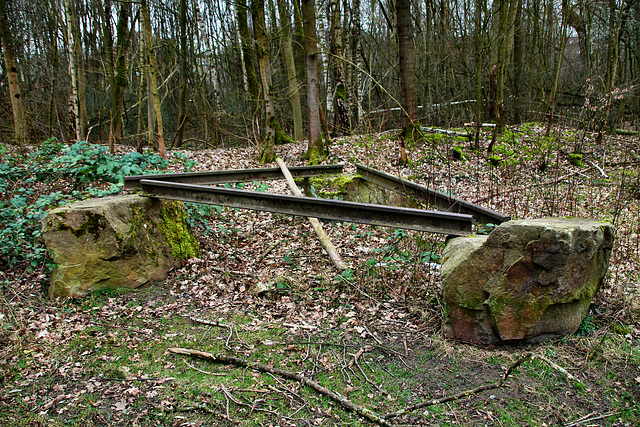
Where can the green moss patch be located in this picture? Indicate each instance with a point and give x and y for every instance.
(176, 232)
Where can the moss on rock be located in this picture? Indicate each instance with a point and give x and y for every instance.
(176, 232)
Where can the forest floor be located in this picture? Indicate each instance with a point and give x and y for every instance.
(372, 333)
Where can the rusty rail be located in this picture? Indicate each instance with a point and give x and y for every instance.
(241, 175)
(443, 201)
(387, 216)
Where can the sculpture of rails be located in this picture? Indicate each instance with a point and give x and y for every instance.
(454, 217)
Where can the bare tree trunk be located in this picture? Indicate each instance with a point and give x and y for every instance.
(116, 65)
(247, 54)
(294, 92)
(153, 83)
(75, 99)
(356, 57)
(407, 77)
(184, 79)
(341, 116)
(556, 80)
(267, 154)
(504, 21)
(480, 7)
(20, 129)
(316, 148)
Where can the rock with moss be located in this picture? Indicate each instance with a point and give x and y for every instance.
(528, 281)
(115, 242)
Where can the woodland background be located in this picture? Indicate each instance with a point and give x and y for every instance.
(213, 72)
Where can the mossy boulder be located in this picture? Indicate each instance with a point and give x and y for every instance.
(528, 281)
(115, 242)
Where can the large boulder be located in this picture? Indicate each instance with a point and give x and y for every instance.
(114, 242)
(527, 281)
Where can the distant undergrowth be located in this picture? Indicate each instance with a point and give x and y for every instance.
(53, 175)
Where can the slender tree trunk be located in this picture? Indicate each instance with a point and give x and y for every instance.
(82, 78)
(356, 58)
(407, 77)
(294, 92)
(247, 53)
(184, 79)
(560, 60)
(75, 98)
(153, 83)
(116, 65)
(20, 129)
(267, 154)
(316, 148)
(518, 52)
(504, 21)
(480, 7)
(341, 116)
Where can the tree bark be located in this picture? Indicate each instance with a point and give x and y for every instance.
(504, 20)
(316, 149)
(77, 101)
(292, 77)
(20, 129)
(267, 154)
(247, 53)
(407, 77)
(153, 82)
(184, 78)
(116, 65)
(479, 8)
(341, 116)
(556, 80)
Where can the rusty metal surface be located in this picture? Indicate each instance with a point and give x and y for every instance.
(241, 175)
(443, 201)
(407, 218)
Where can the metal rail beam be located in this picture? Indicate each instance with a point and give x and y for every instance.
(437, 198)
(408, 218)
(242, 175)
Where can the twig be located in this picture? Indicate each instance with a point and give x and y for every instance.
(465, 393)
(213, 323)
(291, 325)
(219, 374)
(118, 327)
(587, 419)
(268, 251)
(218, 358)
(599, 169)
(236, 272)
(555, 366)
(133, 379)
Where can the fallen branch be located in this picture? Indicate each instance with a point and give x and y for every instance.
(589, 418)
(231, 360)
(267, 252)
(317, 227)
(555, 366)
(465, 393)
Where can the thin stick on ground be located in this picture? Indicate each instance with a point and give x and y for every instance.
(465, 393)
(317, 227)
(337, 397)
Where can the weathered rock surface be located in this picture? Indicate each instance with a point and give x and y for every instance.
(112, 242)
(529, 280)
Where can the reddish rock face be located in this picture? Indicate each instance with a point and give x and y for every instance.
(527, 281)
